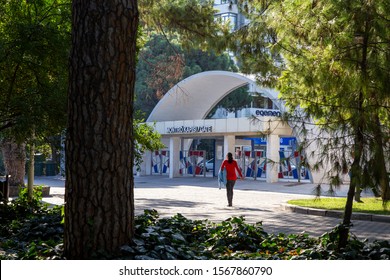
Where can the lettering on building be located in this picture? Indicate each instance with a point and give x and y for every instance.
(268, 113)
(190, 129)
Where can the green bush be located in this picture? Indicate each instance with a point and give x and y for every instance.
(29, 230)
(180, 238)
(38, 234)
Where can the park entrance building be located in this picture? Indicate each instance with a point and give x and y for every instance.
(262, 145)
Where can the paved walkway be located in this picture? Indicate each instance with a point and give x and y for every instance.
(201, 198)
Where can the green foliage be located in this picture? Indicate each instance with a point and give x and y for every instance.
(24, 207)
(330, 62)
(164, 238)
(29, 229)
(198, 61)
(39, 236)
(237, 99)
(33, 66)
(254, 44)
(146, 139)
(366, 205)
(163, 62)
(180, 238)
(193, 20)
(234, 237)
(337, 55)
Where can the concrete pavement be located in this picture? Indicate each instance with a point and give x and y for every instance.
(257, 201)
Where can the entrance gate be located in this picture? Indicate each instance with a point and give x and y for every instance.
(252, 164)
(291, 166)
(160, 162)
(193, 162)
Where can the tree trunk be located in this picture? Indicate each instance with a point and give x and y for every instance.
(355, 181)
(99, 209)
(345, 226)
(358, 191)
(30, 173)
(55, 143)
(14, 156)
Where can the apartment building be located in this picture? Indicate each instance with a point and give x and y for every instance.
(228, 11)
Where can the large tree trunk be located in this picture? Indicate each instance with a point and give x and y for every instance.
(99, 209)
(14, 156)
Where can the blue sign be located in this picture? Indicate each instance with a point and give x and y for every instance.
(284, 141)
(287, 141)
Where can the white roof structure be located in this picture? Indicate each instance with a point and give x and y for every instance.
(186, 106)
(194, 97)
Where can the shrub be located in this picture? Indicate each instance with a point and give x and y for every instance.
(38, 234)
(29, 229)
(180, 238)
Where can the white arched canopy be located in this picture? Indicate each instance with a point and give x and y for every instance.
(194, 97)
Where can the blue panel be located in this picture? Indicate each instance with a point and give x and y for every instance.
(259, 172)
(295, 173)
(287, 141)
(257, 141)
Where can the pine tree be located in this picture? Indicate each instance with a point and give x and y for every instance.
(334, 73)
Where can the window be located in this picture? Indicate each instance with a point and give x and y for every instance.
(231, 17)
(221, 2)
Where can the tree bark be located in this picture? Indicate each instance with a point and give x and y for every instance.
(30, 173)
(14, 156)
(99, 202)
(355, 181)
(55, 143)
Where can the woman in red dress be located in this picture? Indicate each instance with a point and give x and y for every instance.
(231, 167)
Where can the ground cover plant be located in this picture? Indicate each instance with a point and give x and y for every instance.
(30, 230)
(371, 205)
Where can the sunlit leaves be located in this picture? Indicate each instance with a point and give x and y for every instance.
(34, 45)
(146, 139)
(192, 19)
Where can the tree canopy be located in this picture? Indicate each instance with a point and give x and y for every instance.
(330, 63)
(332, 67)
(33, 75)
(163, 62)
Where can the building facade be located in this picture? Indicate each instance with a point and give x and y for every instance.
(257, 143)
(228, 11)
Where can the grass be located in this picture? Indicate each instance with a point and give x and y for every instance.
(369, 205)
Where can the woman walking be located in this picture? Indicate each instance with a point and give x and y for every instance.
(231, 168)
